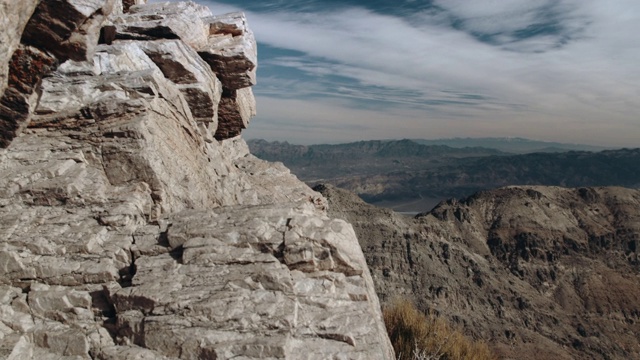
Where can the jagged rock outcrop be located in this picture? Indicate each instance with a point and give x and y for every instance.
(56, 31)
(135, 224)
(537, 272)
(224, 42)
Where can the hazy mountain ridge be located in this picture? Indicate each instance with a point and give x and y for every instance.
(512, 144)
(538, 272)
(307, 154)
(404, 171)
(366, 158)
(465, 176)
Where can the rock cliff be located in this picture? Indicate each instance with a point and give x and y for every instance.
(134, 222)
(537, 272)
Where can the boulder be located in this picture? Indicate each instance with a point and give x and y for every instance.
(224, 42)
(193, 77)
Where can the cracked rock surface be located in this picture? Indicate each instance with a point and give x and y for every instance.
(134, 222)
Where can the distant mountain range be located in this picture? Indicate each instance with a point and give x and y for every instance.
(361, 158)
(362, 149)
(514, 145)
(411, 176)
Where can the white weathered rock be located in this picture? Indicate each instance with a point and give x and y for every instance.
(167, 20)
(192, 76)
(13, 18)
(129, 353)
(247, 284)
(55, 32)
(232, 51)
(60, 302)
(128, 232)
(224, 42)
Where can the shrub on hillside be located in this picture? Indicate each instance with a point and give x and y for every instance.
(416, 336)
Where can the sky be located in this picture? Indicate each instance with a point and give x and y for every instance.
(339, 71)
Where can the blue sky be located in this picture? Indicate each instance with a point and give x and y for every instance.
(337, 71)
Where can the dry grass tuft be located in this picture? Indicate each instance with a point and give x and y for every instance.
(416, 336)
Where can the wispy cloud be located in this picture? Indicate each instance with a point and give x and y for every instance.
(556, 70)
(528, 26)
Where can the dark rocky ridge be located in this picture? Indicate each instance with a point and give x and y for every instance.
(538, 272)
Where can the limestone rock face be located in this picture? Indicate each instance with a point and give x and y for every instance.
(168, 20)
(13, 18)
(130, 228)
(232, 50)
(56, 31)
(224, 42)
(237, 107)
(280, 271)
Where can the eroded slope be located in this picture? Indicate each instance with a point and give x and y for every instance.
(538, 272)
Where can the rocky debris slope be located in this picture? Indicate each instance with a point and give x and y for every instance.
(538, 272)
(135, 224)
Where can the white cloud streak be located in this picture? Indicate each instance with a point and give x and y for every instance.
(585, 91)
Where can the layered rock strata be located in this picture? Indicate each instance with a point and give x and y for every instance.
(224, 42)
(135, 224)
